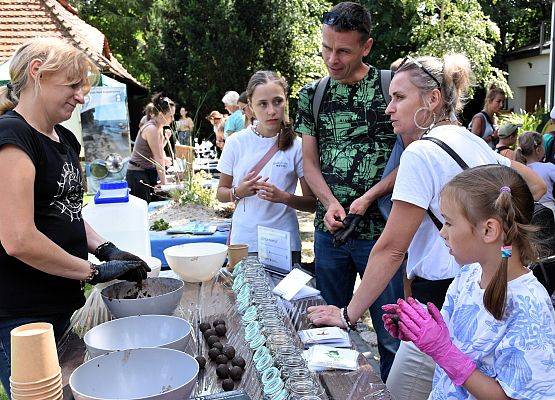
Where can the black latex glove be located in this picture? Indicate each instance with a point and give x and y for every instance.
(350, 222)
(119, 269)
(109, 252)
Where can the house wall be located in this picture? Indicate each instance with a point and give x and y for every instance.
(530, 71)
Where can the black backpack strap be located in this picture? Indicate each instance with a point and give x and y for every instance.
(448, 150)
(385, 79)
(321, 87)
(455, 157)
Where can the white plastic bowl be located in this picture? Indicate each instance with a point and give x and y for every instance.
(137, 374)
(196, 262)
(155, 265)
(141, 331)
(170, 291)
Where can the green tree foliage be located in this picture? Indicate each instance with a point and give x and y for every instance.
(124, 22)
(391, 31)
(199, 50)
(443, 26)
(518, 21)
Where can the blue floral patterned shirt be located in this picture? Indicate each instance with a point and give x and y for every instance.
(518, 352)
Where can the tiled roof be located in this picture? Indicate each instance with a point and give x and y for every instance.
(21, 20)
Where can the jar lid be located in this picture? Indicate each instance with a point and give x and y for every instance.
(265, 362)
(238, 268)
(238, 283)
(270, 374)
(258, 341)
(250, 315)
(261, 351)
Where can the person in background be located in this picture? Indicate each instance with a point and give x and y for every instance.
(236, 120)
(243, 103)
(531, 152)
(148, 164)
(184, 126)
(495, 335)
(483, 124)
(220, 140)
(266, 198)
(426, 95)
(345, 151)
(549, 141)
(216, 119)
(507, 138)
(147, 114)
(44, 241)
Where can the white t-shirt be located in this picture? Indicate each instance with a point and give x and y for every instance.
(242, 151)
(424, 170)
(518, 351)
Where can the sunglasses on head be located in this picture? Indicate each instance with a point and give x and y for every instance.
(332, 18)
(419, 65)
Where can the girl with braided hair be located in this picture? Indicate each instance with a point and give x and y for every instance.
(495, 335)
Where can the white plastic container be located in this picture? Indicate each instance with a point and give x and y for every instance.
(120, 218)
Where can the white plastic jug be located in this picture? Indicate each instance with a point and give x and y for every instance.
(120, 218)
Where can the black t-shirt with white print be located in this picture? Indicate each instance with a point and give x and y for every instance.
(58, 198)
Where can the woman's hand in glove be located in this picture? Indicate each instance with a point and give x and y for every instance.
(119, 269)
(109, 252)
(390, 320)
(428, 331)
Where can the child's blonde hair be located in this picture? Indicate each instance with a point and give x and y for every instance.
(55, 55)
(478, 192)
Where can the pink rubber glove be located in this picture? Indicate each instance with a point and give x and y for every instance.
(390, 320)
(428, 331)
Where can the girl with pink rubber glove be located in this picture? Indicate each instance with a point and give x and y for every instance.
(495, 336)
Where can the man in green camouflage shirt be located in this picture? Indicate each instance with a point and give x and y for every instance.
(344, 155)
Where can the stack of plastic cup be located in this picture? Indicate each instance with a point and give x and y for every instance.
(36, 372)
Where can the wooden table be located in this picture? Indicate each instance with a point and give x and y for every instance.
(211, 300)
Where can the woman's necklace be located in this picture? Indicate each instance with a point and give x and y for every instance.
(255, 130)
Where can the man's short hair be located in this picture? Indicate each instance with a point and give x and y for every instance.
(349, 16)
(230, 98)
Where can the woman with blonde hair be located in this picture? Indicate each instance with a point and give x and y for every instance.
(484, 124)
(44, 241)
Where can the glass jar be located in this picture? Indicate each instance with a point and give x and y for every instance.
(300, 389)
(264, 362)
(290, 363)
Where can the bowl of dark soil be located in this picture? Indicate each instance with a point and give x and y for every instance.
(153, 296)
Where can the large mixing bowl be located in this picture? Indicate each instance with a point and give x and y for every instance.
(136, 374)
(196, 262)
(158, 296)
(138, 332)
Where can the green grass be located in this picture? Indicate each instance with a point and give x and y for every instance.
(3, 395)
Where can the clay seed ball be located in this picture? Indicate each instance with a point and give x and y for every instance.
(227, 385)
(222, 371)
(221, 359)
(212, 339)
(209, 332)
(238, 362)
(204, 326)
(218, 322)
(235, 373)
(219, 346)
(229, 351)
(213, 353)
(201, 361)
(221, 330)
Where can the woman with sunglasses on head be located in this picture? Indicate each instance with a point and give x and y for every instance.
(147, 163)
(427, 93)
(265, 197)
(44, 241)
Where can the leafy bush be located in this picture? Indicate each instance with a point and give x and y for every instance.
(529, 121)
(194, 191)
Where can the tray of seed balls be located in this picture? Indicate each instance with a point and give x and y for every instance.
(228, 366)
